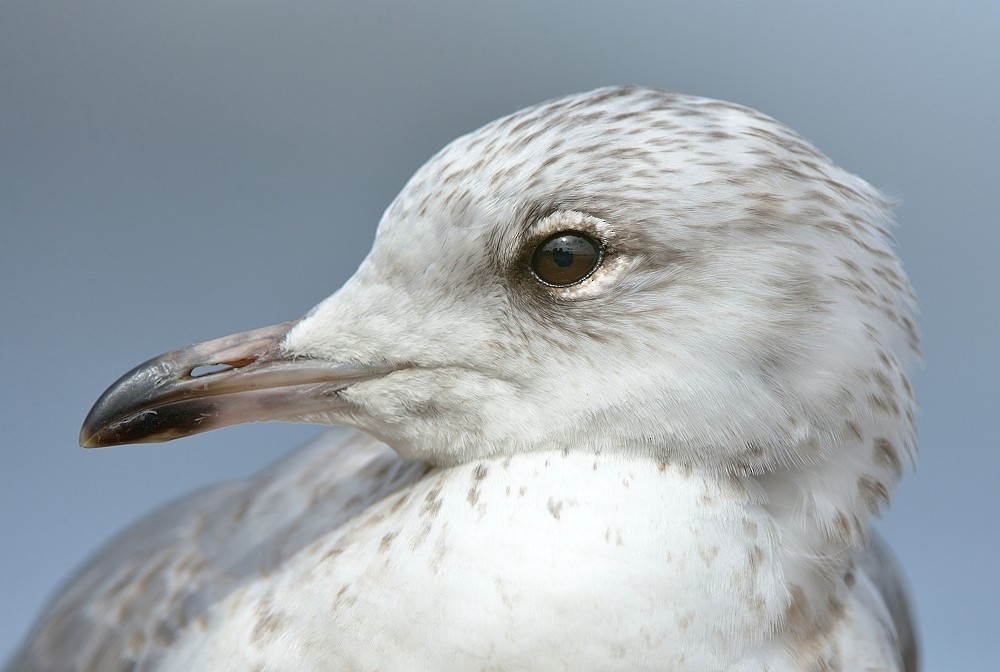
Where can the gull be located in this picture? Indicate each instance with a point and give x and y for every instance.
(626, 377)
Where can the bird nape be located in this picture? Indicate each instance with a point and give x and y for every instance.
(627, 373)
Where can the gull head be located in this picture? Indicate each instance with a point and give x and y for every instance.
(622, 270)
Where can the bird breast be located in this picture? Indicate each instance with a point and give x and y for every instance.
(643, 561)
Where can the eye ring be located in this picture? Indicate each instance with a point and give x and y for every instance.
(566, 258)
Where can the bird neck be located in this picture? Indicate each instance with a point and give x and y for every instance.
(824, 511)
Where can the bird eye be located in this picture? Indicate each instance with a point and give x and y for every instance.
(566, 258)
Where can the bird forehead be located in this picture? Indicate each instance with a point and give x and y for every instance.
(599, 152)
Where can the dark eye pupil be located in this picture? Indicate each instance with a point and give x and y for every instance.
(562, 257)
(566, 259)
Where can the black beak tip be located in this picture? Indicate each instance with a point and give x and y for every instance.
(89, 438)
(122, 414)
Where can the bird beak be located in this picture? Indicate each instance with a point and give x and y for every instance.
(250, 379)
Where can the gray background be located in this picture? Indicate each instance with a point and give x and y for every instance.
(171, 172)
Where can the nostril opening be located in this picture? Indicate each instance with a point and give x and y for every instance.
(209, 369)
